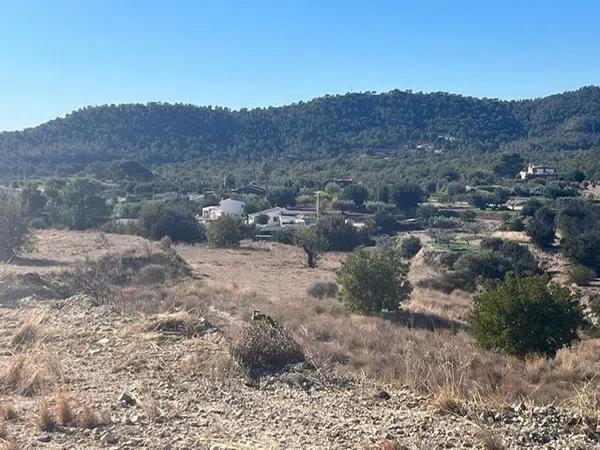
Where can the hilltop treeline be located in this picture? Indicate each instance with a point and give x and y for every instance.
(331, 126)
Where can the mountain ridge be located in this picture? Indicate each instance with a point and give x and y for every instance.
(332, 125)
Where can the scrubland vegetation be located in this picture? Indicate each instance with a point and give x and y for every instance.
(474, 298)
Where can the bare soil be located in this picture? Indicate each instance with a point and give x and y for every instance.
(184, 391)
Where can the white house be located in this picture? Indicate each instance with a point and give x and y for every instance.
(232, 207)
(279, 217)
(227, 207)
(534, 171)
(273, 214)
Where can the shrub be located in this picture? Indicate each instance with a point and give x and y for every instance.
(469, 215)
(541, 228)
(455, 188)
(357, 193)
(530, 207)
(322, 289)
(262, 219)
(442, 222)
(284, 196)
(77, 204)
(512, 222)
(159, 219)
(520, 316)
(265, 345)
(584, 248)
(151, 274)
(342, 205)
(407, 196)
(384, 222)
(98, 278)
(373, 279)
(284, 236)
(581, 275)
(225, 232)
(481, 199)
(410, 246)
(340, 236)
(15, 232)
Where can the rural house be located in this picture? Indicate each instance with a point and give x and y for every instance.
(534, 171)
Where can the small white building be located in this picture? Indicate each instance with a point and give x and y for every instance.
(279, 217)
(232, 207)
(227, 207)
(534, 171)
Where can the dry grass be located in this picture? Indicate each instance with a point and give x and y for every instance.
(44, 419)
(448, 400)
(88, 419)
(64, 411)
(176, 323)
(421, 350)
(22, 375)
(490, 440)
(8, 412)
(210, 358)
(29, 330)
(3, 432)
(11, 445)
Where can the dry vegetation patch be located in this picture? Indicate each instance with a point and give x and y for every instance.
(264, 344)
(26, 374)
(30, 330)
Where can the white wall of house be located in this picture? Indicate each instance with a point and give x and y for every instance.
(232, 207)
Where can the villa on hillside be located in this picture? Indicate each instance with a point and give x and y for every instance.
(538, 171)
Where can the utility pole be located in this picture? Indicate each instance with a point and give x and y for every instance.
(318, 203)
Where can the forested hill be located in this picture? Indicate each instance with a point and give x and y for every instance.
(332, 125)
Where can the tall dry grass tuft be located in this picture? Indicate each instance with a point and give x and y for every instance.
(44, 419)
(490, 440)
(87, 418)
(447, 400)
(29, 330)
(22, 375)
(64, 411)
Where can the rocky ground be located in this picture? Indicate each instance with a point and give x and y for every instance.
(169, 390)
(143, 381)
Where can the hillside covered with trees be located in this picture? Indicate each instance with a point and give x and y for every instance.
(324, 128)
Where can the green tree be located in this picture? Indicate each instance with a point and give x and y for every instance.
(481, 199)
(410, 246)
(33, 201)
(407, 196)
(15, 233)
(78, 204)
(159, 219)
(357, 193)
(373, 279)
(229, 181)
(520, 316)
(339, 235)
(312, 244)
(509, 165)
(541, 227)
(227, 231)
(283, 196)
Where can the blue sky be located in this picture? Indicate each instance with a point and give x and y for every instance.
(59, 55)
